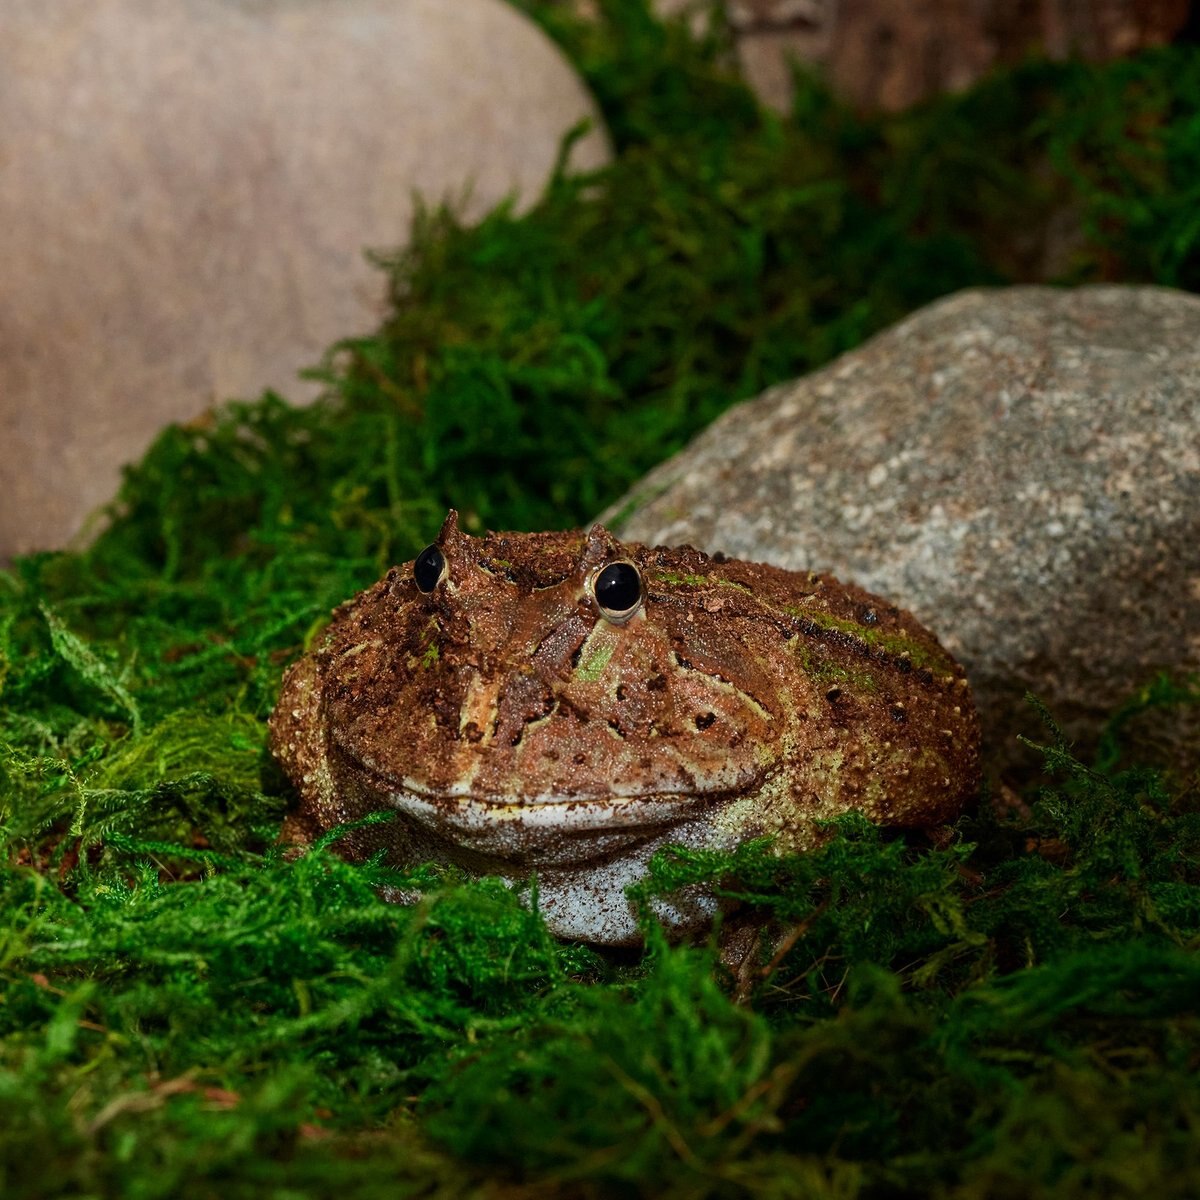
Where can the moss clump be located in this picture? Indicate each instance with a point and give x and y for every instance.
(1006, 1008)
(249, 1019)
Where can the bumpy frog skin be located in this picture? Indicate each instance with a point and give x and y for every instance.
(515, 725)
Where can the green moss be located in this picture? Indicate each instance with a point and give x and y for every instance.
(185, 1012)
(674, 577)
(830, 671)
(690, 579)
(897, 645)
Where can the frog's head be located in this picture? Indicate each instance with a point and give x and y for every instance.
(561, 681)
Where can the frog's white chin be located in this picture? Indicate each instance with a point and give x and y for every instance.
(590, 904)
(585, 854)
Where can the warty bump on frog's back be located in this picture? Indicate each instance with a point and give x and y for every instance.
(514, 722)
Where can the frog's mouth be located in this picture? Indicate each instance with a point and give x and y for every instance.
(551, 829)
(548, 829)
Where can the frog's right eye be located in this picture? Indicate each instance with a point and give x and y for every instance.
(430, 569)
(618, 591)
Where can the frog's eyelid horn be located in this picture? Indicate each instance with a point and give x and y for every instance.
(599, 549)
(449, 527)
(432, 565)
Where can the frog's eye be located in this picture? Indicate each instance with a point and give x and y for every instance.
(618, 591)
(430, 569)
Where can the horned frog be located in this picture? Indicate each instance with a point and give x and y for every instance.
(566, 704)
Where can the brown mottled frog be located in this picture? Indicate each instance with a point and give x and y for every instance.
(568, 704)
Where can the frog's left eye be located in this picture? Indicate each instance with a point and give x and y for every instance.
(430, 569)
(618, 591)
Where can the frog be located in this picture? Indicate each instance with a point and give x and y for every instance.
(563, 705)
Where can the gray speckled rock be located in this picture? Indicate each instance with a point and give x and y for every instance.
(1020, 468)
(187, 189)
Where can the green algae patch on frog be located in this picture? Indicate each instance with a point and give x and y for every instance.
(598, 652)
(566, 704)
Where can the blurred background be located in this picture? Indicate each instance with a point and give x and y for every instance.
(188, 189)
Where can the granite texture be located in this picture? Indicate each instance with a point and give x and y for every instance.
(187, 189)
(1020, 468)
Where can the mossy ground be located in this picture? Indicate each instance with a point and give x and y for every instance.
(1006, 1009)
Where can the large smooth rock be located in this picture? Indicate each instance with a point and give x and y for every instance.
(187, 188)
(1020, 468)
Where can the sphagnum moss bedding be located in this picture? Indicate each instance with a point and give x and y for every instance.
(187, 1012)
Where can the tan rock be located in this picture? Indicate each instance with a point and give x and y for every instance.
(186, 190)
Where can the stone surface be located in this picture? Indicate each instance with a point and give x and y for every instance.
(1019, 468)
(890, 54)
(186, 190)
